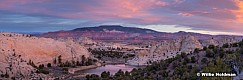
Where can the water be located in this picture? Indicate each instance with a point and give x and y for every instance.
(111, 68)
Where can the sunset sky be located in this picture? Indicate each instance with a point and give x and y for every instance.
(203, 16)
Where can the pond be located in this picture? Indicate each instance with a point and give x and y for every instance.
(110, 67)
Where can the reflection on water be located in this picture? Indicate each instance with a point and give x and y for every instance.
(111, 68)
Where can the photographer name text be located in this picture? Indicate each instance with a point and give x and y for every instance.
(216, 74)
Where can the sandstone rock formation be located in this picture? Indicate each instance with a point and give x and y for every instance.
(17, 49)
(170, 48)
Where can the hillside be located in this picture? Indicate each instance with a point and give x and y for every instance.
(17, 51)
(170, 48)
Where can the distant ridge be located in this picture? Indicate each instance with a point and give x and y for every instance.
(119, 28)
(121, 33)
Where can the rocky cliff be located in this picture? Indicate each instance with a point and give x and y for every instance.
(16, 50)
(170, 48)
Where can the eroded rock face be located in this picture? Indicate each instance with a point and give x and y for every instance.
(170, 48)
(17, 49)
(189, 43)
(86, 41)
(209, 42)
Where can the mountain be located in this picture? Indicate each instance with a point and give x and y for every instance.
(120, 33)
(107, 32)
(115, 28)
(17, 50)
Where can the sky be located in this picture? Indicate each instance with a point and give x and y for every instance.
(202, 16)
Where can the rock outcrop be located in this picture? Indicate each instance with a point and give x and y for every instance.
(170, 48)
(16, 50)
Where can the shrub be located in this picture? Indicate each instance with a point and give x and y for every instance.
(60, 59)
(196, 50)
(193, 59)
(211, 46)
(209, 53)
(204, 60)
(183, 54)
(49, 65)
(205, 48)
(226, 45)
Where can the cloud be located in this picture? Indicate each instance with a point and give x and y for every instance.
(210, 15)
(238, 12)
(185, 14)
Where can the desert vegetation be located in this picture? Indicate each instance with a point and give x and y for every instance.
(185, 66)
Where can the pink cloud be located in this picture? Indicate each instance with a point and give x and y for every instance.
(106, 9)
(185, 14)
(238, 12)
(125, 9)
